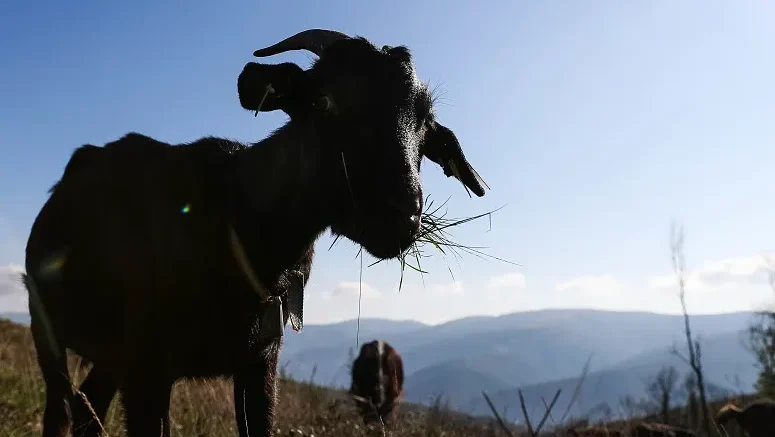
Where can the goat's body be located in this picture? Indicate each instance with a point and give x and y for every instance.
(377, 381)
(130, 256)
(102, 221)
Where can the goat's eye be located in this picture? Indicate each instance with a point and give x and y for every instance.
(427, 124)
(323, 103)
(422, 111)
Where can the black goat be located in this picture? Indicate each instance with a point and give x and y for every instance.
(157, 262)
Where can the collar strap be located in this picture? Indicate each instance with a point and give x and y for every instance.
(242, 260)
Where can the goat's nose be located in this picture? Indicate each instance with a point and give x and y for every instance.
(414, 223)
(416, 205)
(418, 202)
(416, 215)
(409, 205)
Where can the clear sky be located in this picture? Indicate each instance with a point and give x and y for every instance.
(595, 123)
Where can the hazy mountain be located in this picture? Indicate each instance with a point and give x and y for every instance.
(517, 356)
(325, 349)
(520, 349)
(425, 385)
(728, 365)
(342, 335)
(20, 318)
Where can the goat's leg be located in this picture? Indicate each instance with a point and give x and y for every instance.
(146, 401)
(98, 388)
(255, 396)
(52, 360)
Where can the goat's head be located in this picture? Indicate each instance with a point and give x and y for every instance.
(373, 121)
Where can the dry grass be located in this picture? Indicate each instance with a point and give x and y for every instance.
(435, 234)
(205, 408)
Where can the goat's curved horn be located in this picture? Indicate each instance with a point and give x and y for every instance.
(314, 40)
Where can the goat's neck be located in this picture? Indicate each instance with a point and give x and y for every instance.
(277, 211)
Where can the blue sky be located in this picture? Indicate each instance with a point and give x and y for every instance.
(595, 123)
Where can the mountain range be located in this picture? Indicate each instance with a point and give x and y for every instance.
(538, 352)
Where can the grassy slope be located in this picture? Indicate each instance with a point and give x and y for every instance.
(204, 408)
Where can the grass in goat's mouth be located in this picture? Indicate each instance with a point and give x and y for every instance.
(434, 232)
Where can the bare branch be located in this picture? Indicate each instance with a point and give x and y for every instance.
(548, 411)
(546, 406)
(524, 413)
(497, 416)
(695, 352)
(577, 390)
(674, 351)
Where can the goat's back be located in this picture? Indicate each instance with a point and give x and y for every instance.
(130, 245)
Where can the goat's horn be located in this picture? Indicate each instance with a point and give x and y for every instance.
(314, 40)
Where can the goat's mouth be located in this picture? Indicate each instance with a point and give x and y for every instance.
(382, 236)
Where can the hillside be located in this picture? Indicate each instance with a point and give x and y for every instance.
(538, 351)
(727, 364)
(206, 408)
(436, 380)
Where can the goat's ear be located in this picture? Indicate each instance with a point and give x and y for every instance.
(267, 87)
(442, 147)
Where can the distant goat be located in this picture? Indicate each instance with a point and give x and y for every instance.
(377, 381)
(757, 419)
(158, 262)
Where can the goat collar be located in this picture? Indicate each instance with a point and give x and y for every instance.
(272, 317)
(242, 260)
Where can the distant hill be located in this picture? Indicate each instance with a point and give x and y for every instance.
(342, 335)
(421, 386)
(538, 351)
(20, 318)
(727, 364)
(518, 356)
(521, 348)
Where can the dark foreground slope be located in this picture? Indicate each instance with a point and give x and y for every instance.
(204, 408)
